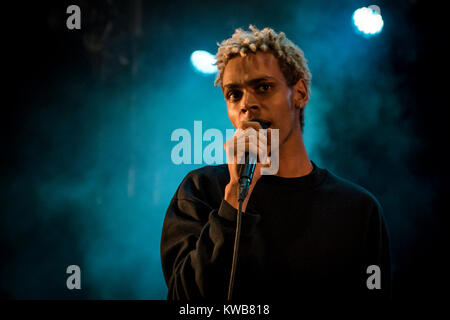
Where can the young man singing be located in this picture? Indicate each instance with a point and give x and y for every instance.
(306, 233)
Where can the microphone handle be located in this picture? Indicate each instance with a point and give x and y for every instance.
(246, 176)
(246, 171)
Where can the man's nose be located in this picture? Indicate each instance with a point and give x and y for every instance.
(249, 102)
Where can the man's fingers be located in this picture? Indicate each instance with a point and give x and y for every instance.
(250, 124)
(243, 147)
(248, 140)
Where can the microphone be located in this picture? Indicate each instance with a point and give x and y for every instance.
(247, 170)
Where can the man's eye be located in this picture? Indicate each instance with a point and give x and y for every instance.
(264, 87)
(234, 95)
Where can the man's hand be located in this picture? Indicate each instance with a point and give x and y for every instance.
(244, 141)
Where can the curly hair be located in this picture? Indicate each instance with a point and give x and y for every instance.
(290, 58)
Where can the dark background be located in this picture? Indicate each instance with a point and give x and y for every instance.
(86, 168)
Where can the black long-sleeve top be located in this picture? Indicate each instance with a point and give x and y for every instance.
(309, 237)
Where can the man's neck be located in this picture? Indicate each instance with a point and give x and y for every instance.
(293, 159)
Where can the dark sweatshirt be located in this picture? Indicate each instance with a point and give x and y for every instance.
(310, 237)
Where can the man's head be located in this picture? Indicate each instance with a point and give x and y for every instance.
(263, 74)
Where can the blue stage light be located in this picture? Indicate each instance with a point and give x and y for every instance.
(368, 20)
(203, 62)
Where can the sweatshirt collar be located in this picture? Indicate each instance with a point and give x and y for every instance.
(311, 180)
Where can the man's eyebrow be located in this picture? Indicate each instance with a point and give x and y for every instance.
(248, 83)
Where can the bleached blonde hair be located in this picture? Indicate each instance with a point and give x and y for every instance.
(291, 59)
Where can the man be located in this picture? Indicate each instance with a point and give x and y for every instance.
(306, 233)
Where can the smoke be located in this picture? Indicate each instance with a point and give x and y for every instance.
(92, 169)
(357, 122)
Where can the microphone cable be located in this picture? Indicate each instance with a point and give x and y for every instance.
(246, 176)
(235, 250)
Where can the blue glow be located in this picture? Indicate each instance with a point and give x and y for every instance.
(203, 61)
(368, 20)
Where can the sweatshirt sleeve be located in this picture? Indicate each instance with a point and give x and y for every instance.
(197, 244)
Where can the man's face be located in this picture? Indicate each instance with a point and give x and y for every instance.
(255, 88)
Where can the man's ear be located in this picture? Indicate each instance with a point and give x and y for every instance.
(301, 94)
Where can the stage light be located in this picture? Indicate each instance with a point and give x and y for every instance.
(203, 62)
(368, 20)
